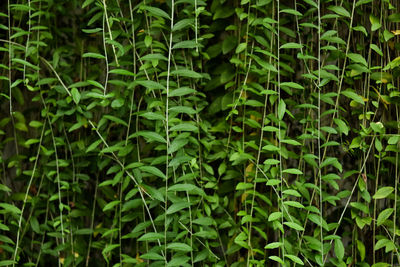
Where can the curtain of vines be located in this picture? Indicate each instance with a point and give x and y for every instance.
(199, 133)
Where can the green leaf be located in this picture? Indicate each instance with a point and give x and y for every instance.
(182, 91)
(10, 208)
(277, 259)
(152, 256)
(151, 237)
(7, 262)
(339, 249)
(76, 96)
(383, 216)
(109, 248)
(376, 49)
(176, 145)
(183, 109)
(375, 23)
(122, 72)
(273, 245)
(152, 136)
(26, 63)
(295, 259)
(275, 216)
(240, 47)
(294, 226)
(189, 44)
(111, 205)
(357, 58)
(361, 249)
(148, 40)
(153, 170)
(115, 119)
(177, 207)
(293, 171)
(281, 109)
(94, 55)
(291, 46)
(179, 247)
(184, 127)
(350, 94)
(291, 11)
(377, 127)
(187, 73)
(93, 145)
(156, 12)
(383, 192)
(292, 85)
(340, 11)
(294, 204)
(343, 128)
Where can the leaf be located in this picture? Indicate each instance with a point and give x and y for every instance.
(340, 11)
(291, 11)
(294, 204)
(183, 109)
(109, 248)
(94, 55)
(152, 136)
(352, 95)
(377, 127)
(292, 85)
(151, 237)
(339, 249)
(281, 109)
(190, 44)
(275, 216)
(153, 170)
(122, 72)
(187, 73)
(293, 171)
(375, 23)
(273, 245)
(10, 208)
(148, 40)
(383, 192)
(111, 205)
(152, 256)
(294, 226)
(184, 127)
(182, 91)
(115, 119)
(383, 216)
(25, 63)
(177, 207)
(343, 128)
(357, 58)
(156, 12)
(240, 47)
(291, 46)
(76, 96)
(376, 49)
(153, 116)
(179, 247)
(361, 249)
(295, 259)
(183, 23)
(176, 145)
(93, 145)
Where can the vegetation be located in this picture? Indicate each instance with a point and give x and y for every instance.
(199, 133)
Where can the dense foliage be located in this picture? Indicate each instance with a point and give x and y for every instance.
(199, 133)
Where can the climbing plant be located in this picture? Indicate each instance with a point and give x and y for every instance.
(199, 133)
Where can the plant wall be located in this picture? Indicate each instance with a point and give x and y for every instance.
(199, 133)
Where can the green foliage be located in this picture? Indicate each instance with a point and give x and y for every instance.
(212, 133)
